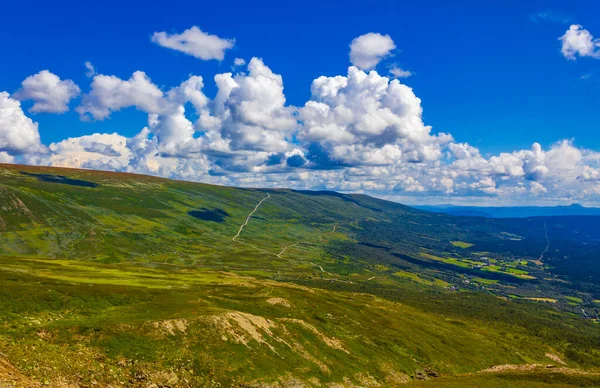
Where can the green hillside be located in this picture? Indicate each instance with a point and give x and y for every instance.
(116, 279)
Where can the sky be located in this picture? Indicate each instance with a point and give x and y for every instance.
(437, 102)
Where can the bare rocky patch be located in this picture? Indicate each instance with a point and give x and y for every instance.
(331, 342)
(512, 368)
(11, 203)
(555, 358)
(244, 328)
(172, 326)
(279, 301)
(393, 377)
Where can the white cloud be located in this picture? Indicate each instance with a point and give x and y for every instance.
(18, 133)
(49, 93)
(561, 171)
(173, 130)
(190, 91)
(110, 93)
(196, 43)
(250, 110)
(368, 50)
(166, 111)
(239, 62)
(6, 158)
(97, 151)
(400, 73)
(360, 132)
(578, 41)
(91, 71)
(367, 119)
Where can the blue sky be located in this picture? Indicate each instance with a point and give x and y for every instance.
(490, 74)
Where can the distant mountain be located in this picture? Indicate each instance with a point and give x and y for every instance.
(512, 211)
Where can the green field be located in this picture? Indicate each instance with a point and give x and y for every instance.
(461, 244)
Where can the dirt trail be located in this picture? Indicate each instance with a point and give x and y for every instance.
(322, 270)
(332, 231)
(286, 247)
(234, 238)
(250, 215)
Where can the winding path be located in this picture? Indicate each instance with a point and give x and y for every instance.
(322, 270)
(333, 231)
(284, 248)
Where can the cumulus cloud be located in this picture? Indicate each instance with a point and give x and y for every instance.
(18, 133)
(239, 62)
(368, 50)
(358, 132)
(196, 43)
(250, 109)
(578, 41)
(110, 94)
(563, 170)
(366, 119)
(166, 110)
(49, 93)
(97, 151)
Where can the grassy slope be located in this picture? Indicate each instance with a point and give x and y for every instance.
(117, 283)
(536, 378)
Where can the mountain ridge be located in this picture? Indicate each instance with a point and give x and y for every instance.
(133, 279)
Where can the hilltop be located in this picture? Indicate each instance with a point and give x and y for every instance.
(113, 278)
